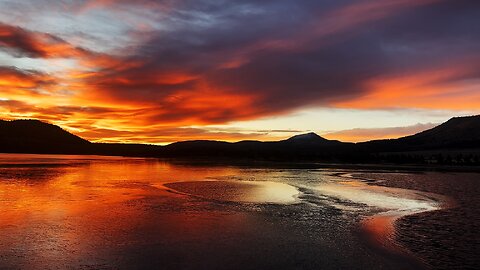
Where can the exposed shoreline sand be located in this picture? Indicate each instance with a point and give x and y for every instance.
(448, 237)
(377, 230)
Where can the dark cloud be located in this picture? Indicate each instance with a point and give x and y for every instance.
(12, 78)
(291, 54)
(24, 43)
(18, 41)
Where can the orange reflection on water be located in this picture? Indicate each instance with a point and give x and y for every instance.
(239, 191)
(380, 230)
(59, 211)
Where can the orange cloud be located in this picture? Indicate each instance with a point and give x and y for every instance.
(18, 84)
(437, 88)
(367, 134)
(14, 78)
(35, 44)
(113, 124)
(22, 42)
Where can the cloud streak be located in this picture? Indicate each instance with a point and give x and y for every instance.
(23, 43)
(366, 134)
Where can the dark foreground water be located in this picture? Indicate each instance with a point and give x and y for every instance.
(70, 212)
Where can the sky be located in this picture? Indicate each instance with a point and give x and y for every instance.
(160, 71)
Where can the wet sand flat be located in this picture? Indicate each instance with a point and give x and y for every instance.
(239, 191)
(443, 239)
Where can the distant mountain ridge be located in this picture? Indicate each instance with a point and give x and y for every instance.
(458, 133)
(34, 136)
(24, 129)
(464, 129)
(311, 136)
(304, 146)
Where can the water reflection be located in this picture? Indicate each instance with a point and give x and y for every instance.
(387, 204)
(102, 212)
(55, 216)
(389, 199)
(239, 191)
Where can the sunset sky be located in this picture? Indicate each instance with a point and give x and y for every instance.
(169, 70)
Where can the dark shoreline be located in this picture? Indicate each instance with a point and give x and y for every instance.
(320, 165)
(277, 164)
(387, 246)
(380, 231)
(446, 238)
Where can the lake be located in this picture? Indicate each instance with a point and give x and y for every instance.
(91, 212)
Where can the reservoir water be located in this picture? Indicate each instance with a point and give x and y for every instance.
(91, 212)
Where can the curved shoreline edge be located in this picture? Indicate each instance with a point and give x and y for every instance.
(379, 231)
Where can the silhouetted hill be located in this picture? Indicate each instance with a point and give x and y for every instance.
(307, 138)
(456, 133)
(124, 149)
(459, 134)
(301, 147)
(456, 141)
(33, 136)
